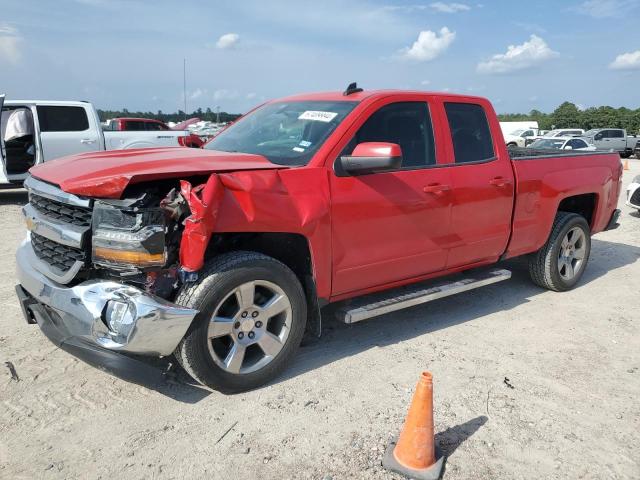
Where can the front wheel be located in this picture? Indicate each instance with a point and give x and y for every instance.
(560, 263)
(251, 321)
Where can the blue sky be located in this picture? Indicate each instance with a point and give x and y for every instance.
(129, 53)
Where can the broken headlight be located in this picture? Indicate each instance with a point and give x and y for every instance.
(126, 238)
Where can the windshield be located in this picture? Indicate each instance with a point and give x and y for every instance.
(286, 133)
(547, 143)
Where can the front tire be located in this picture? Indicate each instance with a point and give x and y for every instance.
(252, 318)
(560, 263)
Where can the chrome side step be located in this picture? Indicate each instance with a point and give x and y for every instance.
(385, 302)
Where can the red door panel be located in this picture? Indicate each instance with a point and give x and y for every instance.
(481, 212)
(386, 227)
(482, 183)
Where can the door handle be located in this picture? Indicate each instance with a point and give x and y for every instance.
(436, 188)
(499, 182)
(87, 141)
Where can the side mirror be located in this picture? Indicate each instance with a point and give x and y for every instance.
(568, 147)
(598, 136)
(372, 157)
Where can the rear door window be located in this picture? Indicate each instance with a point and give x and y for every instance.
(616, 134)
(470, 132)
(62, 118)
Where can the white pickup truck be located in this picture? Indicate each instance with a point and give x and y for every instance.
(616, 139)
(34, 131)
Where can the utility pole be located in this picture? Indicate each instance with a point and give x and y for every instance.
(218, 114)
(184, 85)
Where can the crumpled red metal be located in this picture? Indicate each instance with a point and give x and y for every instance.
(203, 201)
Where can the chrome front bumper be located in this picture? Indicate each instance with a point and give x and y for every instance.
(149, 326)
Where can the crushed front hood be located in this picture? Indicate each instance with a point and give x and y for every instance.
(107, 174)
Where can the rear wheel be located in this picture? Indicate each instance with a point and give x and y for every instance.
(251, 321)
(560, 263)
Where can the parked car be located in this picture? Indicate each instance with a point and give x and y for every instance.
(509, 127)
(520, 137)
(633, 193)
(224, 256)
(562, 143)
(558, 132)
(615, 139)
(564, 132)
(149, 124)
(53, 129)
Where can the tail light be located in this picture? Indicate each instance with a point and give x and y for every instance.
(182, 141)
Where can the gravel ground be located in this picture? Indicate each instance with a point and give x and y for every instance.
(569, 408)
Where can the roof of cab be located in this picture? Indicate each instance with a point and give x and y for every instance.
(52, 103)
(336, 96)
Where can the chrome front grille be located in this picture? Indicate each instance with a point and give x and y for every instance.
(61, 212)
(60, 226)
(55, 254)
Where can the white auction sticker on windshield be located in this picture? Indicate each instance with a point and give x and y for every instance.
(317, 116)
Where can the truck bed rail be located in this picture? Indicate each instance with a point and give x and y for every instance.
(527, 153)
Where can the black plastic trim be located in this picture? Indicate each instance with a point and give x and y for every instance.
(613, 222)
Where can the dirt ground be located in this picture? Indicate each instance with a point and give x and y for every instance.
(528, 384)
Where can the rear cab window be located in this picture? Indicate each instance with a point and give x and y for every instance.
(62, 118)
(470, 132)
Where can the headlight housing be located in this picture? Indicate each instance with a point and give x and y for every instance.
(128, 238)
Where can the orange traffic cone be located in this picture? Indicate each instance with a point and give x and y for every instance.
(626, 164)
(415, 453)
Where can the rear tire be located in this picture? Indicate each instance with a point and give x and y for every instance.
(560, 263)
(252, 315)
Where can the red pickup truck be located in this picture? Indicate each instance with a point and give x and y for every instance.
(225, 256)
(151, 125)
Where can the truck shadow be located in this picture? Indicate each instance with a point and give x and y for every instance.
(340, 340)
(14, 197)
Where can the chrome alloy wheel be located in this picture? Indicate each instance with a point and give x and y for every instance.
(572, 252)
(249, 327)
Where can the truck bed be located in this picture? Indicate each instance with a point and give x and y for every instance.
(545, 177)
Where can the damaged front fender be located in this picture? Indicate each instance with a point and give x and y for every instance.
(261, 201)
(204, 202)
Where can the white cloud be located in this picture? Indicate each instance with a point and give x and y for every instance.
(197, 93)
(606, 8)
(519, 57)
(224, 94)
(425, 82)
(429, 45)
(440, 7)
(626, 61)
(228, 40)
(10, 41)
(449, 7)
